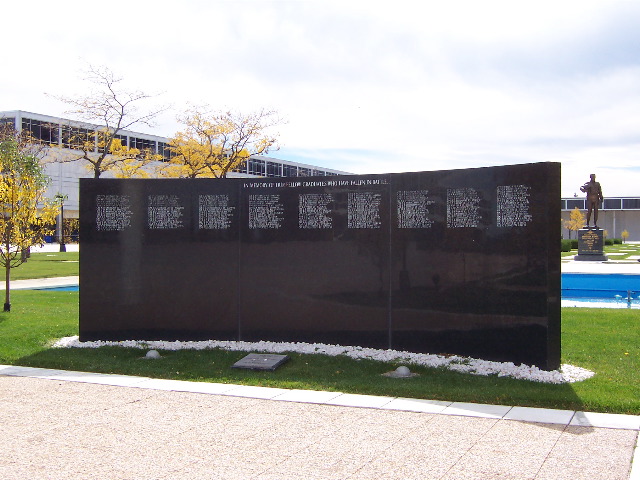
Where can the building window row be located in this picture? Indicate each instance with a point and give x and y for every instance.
(142, 144)
(265, 168)
(78, 137)
(274, 169)
(256, 167)
(42, 131)
(54, 134)
(608, 204)
(124, 140)
(164, 151)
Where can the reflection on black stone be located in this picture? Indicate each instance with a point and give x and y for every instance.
(463, 261)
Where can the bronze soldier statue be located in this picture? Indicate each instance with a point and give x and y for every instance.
(594, 198)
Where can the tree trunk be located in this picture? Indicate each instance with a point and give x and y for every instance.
(7, 287)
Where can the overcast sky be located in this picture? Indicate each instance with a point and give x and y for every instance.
(365, 87)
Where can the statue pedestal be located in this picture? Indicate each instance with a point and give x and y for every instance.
(591, 245)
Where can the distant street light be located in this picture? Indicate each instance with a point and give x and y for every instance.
(60, 198)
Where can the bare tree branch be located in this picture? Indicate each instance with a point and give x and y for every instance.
(114, 109)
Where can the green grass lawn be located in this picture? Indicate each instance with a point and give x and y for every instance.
(47, 265)
(603, 340)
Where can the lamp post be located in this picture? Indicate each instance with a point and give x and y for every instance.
(60, 198)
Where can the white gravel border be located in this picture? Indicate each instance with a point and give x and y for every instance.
(473, 366)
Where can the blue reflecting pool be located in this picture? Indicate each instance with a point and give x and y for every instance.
(600, 290)
(585, 289)
(606, 286)
(68, 288)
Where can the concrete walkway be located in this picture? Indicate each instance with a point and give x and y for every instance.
(55, 248)
(627, 267)
(42, 283)
(69, 425)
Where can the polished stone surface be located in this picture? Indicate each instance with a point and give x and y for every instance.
(459, 261)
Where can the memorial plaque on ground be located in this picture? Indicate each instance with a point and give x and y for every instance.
(261, 361)
(456, 261)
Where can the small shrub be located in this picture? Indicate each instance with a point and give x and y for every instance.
(617, 241)
(608, 241)
(574, 243)
(565, 246)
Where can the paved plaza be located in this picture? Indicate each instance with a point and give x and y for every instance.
(68, 425)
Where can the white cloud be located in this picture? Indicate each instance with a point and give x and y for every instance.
(366, 86)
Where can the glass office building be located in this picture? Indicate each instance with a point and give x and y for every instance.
(68, 136)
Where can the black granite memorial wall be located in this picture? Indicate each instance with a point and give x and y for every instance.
(462, 262)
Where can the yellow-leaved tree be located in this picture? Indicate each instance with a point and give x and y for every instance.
(130, 162)
(26, 215)
(214, 143)
(624, 235)
(576, 221)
